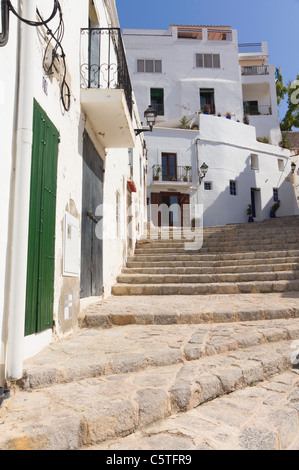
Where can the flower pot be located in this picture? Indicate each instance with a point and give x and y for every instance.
(272, 215)
(250, 219)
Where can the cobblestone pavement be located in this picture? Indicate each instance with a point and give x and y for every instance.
(261, 417)
(164, 373)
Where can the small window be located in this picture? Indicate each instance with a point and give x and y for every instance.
(280, 164)
(208, 61)
(207, 186)
(233, 188)
(254, 162)
(275, 195)
(149, 66)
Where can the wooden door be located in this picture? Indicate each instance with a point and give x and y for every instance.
(91, 234)
(42, 216)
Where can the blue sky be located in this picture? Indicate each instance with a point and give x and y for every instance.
(273, 21)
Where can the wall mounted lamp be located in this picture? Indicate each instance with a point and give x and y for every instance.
(202, 172)
(150, 115)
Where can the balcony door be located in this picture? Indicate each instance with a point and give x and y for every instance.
(169, 167)
(207, 100)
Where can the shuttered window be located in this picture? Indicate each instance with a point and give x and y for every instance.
(149, 66)
(208, 61)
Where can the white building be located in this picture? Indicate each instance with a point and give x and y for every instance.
(194, 76)
(72, 170)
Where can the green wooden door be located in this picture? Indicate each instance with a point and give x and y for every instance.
(41, 242)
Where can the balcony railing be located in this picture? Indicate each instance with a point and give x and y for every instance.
(103, 61)
(255, 70)
(257, 110)
(179, 174)
(250, 47)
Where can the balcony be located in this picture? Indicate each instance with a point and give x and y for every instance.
(255, 70)
(252, 108)
(177, 176)
(106, 90)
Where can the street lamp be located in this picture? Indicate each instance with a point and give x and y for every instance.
(203, 171)
(150, 115)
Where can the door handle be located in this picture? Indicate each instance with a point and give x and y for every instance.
(92, 217)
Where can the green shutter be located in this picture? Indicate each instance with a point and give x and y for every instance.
(41, 241)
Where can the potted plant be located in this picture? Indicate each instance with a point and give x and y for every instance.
(186, 176)
(249, 213)
(228, 115)
(157, 172)
(274, 209)
(206, 109)
(246, 119)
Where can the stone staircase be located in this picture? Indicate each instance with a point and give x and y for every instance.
(174, 372)
(246, 258)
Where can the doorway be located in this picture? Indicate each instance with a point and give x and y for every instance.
(207, 100)
(42, 218)
(170, 209)
(256, 202)
(91, 282)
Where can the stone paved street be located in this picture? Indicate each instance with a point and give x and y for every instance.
(165, 384)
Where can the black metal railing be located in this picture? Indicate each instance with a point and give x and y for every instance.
(103, 61)
(257, 109)
(255, 70)
(177, 174)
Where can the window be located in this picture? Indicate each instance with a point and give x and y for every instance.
(254, 162)
(251, 107)
(207, 102)
(233, 188)
(157, 100)
(149, 66)
(275, 195)
(280, 164)
(207, 186)
(169, 167)
(208, 61)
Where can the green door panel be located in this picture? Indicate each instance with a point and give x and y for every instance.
(42, 215)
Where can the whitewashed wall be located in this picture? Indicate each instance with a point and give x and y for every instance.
(226, 147)
(71, 125)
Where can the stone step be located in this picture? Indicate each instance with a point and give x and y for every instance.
(213, 270)
(93, 410)
(214, 257)
(205, 263)
(206, 288)
(185, 310)
(206, 278)
(263, 417)
(99, 350)
(222, 237)
(219, 248)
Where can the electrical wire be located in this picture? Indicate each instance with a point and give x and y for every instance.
(57, 36)
(34, 23)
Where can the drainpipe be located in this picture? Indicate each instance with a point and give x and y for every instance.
(5, 23)
(18, 242)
